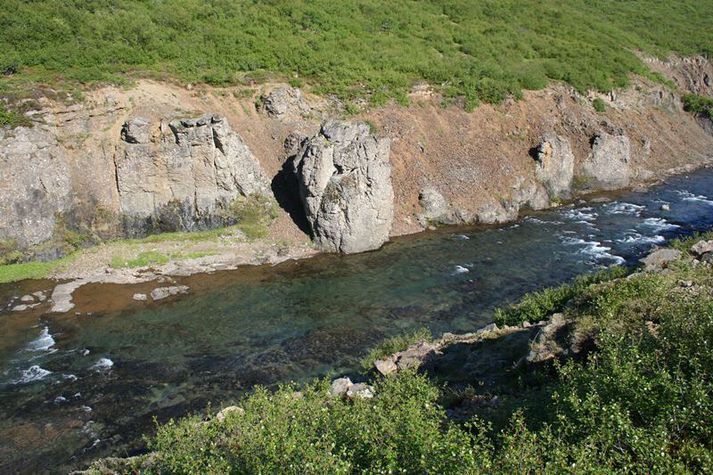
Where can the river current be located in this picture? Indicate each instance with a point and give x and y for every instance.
(76, 387)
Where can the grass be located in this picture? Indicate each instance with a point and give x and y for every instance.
(32, 270)
(155, 258)
(640, 400)
(483, 51)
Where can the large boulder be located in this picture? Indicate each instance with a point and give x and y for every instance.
(183, 173)
(345, 186)
(608, 165)
(554, 165)
(436, 210)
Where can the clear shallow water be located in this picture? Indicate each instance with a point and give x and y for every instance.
(77, 387)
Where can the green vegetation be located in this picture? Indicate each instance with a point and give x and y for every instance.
(639, 399)
(253, 214)
(698, 105)
(307, 432)
(11, 118)
(394, 345)
(599, 105)
(482, 51)
(31, 270)
(155, 258)
(537, 306)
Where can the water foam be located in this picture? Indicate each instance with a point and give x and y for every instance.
(622, 207)
(32, 374)
(102, 364)
(688, 196)
(42, 343)
(594, 249)
(659, 224)
(460, 270)
(637, 238)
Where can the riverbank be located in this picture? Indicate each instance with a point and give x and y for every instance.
(617, 380)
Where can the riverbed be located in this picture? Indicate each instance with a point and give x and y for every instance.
(86, 384)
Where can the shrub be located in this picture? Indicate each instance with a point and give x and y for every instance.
(599, 105)
(402, 430)
(698, 105)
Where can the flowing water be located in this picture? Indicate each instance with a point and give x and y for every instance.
(75, 387)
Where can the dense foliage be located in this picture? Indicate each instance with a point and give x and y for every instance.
(640, 401)
(698, 105)
(483, 50)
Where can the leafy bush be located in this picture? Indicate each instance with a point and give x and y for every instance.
(12, 119)
(403, 430)
(394, 345)
(698, 105)
(599, 105)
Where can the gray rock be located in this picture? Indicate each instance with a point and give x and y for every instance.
(360, 391)
(293, 144)
(345, 186)
(416, 355)
(161, 293)
(491, 327)
(137, 130)
(285, 101)
(707, 258)
(386, 366)
(27, 298)
(554, 165)
(340, 386)
(35, 185)
(607, 167)
(660, 259)
(702, 247)
(62, 296)
(198, 167)
(435, 208)
(140, 297)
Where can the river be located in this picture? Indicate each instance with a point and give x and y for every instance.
(74, 387)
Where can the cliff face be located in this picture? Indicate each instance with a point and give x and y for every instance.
(159, 157)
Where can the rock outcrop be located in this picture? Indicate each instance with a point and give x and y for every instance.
(436, 210)
(608, 165)
(183, 174)
(285, 101)
(554, 166)
(35, 185)
(344, 177)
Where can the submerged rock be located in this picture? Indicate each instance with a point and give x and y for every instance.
(345, 186)
(161, 293)
(140, 297)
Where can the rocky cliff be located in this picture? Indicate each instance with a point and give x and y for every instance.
(159, 157)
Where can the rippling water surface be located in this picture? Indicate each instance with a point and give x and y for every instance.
(74, 387)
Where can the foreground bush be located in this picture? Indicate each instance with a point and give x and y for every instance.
(401, 431)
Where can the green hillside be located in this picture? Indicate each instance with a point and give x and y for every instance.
(483, 50)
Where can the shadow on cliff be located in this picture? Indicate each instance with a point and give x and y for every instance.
(287, 193)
